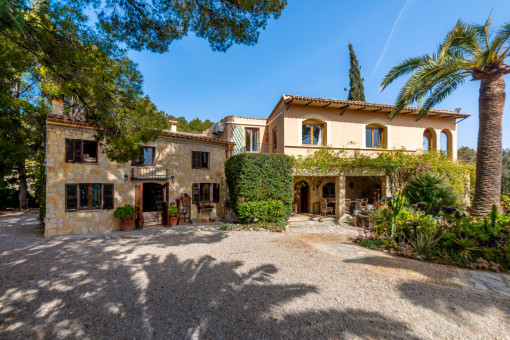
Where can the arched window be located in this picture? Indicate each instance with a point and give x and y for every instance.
(313, 132)
(328, 190)
(429, 140)
(375, 136)
(445, 140)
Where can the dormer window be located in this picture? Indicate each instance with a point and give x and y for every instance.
(312, 133)
(375, 136)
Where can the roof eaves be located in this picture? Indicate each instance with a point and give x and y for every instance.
(407, 109)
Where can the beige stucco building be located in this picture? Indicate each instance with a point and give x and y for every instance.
(298, 125)
(84, 187)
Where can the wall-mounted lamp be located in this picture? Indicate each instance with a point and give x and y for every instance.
(318, 184)
(172, 178)
(126, 177)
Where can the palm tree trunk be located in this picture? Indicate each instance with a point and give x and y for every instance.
(489, 161)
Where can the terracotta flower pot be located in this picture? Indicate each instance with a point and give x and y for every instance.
(127, 225)
(173, 221)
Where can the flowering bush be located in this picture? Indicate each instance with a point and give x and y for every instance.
(505, 202)
(450, 239)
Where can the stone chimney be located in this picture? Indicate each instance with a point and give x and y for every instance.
(173, 125)
(57, 106)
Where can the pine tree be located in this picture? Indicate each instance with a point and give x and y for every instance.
(356, 91)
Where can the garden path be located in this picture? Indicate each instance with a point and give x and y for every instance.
(335, 237)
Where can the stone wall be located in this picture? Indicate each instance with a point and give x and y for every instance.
(171, 153)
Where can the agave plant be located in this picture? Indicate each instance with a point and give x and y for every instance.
(472, 50)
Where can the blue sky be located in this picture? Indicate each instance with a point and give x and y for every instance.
(305, 52)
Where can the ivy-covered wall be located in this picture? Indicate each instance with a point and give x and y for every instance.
(259, 177)
(399, 165)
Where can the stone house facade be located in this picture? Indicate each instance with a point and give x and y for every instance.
(83, 187)
(298, 125)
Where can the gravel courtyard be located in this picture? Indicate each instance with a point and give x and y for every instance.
(209, 285)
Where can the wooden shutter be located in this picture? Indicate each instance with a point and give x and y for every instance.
(71, 197)
(195, 160)
(216, 192)
(196, 193)
(108, 196)
(69, 150)
(139, 160)
(78, 143)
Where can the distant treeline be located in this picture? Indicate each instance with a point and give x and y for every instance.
(194, 126)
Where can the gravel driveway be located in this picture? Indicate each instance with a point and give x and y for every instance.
(210, 285)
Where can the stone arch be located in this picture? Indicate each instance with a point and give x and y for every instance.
(446, 142)
(429, 140)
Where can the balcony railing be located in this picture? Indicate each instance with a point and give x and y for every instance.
(150, 173)
(256, 148)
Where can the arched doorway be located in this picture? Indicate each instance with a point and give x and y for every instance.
(301, 196)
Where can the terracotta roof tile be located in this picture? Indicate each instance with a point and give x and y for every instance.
(408, 109)
(180, 135)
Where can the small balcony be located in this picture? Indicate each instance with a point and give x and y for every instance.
(150, 173)
(256, 148)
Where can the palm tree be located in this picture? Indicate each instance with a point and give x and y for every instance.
(468, 50)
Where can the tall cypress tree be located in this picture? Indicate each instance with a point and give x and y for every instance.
(356, 91)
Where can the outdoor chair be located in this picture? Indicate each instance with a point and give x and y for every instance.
(348, 205)
(325, 209)
(364, 203)
(357, 207)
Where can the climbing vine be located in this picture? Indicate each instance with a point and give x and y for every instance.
(399, 165)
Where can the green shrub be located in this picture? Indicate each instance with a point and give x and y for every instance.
(259, 177)
(125, 213)
(430, 191)
(426, 241)
(172, 210)
(371, 243)
(281, 223)
(264, 211)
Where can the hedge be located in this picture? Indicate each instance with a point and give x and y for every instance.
(259, 177)
(266, 211)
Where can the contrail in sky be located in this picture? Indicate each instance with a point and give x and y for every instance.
(385, 48)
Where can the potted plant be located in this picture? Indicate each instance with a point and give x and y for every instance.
(127, 216)
(172, 214)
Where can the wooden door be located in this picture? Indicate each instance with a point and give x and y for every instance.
(139, 204)
(301, 194)
(304, 198)
(166, 199)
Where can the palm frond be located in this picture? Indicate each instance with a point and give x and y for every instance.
(441, 91)
(502, 41)
(407, 66)
(484, 31)
(463, 38)
(423, 81)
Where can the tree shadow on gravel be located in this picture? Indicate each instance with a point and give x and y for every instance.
(449, 301)
(113, 289)
(439, 298)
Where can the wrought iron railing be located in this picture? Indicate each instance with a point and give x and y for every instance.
(256, 148)
(150, 173)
